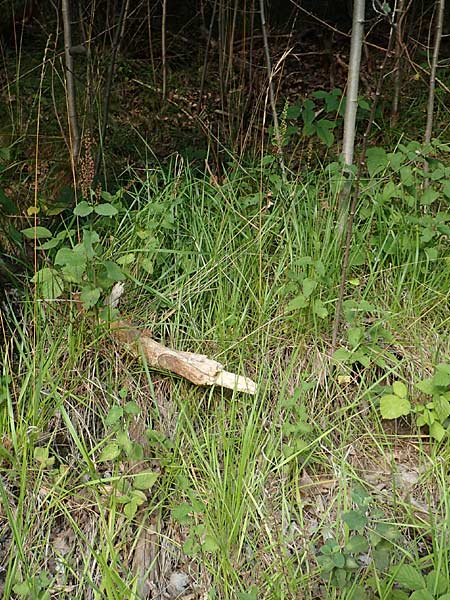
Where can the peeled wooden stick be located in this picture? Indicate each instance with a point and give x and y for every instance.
(197, 368)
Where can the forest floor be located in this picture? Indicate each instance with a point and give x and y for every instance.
(121, 482)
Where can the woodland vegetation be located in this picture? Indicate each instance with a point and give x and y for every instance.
(225, 293)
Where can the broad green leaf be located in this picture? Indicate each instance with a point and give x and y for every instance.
(138, 496)
(89, 297)
(442, 375)
(106, 210)
(421, 595)
(441, 408)
(406, 175)
(354, 519)
(357, 544)
(324, 133)
(210, 544)
(132, 408)
(109, 452)
(342, 355)
(409, 578)
(429, 196)
(182, 512)
(83, 209)
(426, 386)
(437, 582)
(437, 431)
(130, 509)
(191, 546)
(319, 309)
(354, 336)
(446, 189)
(50, 283)
(400, 389)
(393, 407)
(376, 160)
(308, 286)
(296, 303)
(113, 271)
(293, 112)
(124, 441)
(114, 415)
(338, 560)
(37, 233)
(144, 481)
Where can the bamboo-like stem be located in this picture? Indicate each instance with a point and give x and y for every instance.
(432, 85)
(164, 49)
(118, 36)
(271, 91)
(355, 198)
(74, 132)
(398, 60)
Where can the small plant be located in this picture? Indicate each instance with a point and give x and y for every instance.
(433, 414)
(190, 514)
(305, 280)
(368, 537)
(412, 584)
(365, 337)
(297, 428)
(81, 265)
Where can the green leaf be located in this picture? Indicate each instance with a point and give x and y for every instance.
(124, 441)
(130, 509)
(144, 481)
(324, 133)
(109, 452)
(338, 559)
(106, 210)
(131, 408)
(83, 209)
(89, 297)
(296, 303)
(441, 408)
(191, 546)
(442, 375)
(357, 544)
(421, 595)
(114, 415)
(50, 283)
(73, 261)
(210, 544)
(182, 512)
(138, 496)
(437, 431)
(308, 286)
(354, 519)
(393, 407)
(400, 389)
(37, 233)
(428, 197)
(319, 309)
(376, 160)
(437, 582)
(409, 578)
(426, 386)
(354, 336)
(251, 595)
(113, 271)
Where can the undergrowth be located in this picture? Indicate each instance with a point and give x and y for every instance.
(120, 482)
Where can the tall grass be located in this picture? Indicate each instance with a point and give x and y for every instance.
(211, 268)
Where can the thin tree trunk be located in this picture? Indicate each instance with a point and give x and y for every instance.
(74, 133)
(355, 198)
(109, 79)
(431, 90)
(398, 60)
(271, 92)
(163, 49)
(351, 106)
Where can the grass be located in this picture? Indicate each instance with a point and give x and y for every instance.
(248, 488)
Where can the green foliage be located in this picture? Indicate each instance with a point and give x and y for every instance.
(367, 535)
(190, 514)
(297, 428)
(79, 266)
(36, 587)
(319, 116)
(306, 279)
(366, 336)
(433, 414)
